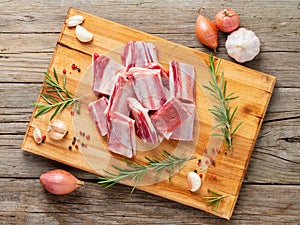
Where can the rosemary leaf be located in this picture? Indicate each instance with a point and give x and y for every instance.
(222, 111)
(65, 98)
(213, 200)
(55, 75)
(137, 172)
(42, 111)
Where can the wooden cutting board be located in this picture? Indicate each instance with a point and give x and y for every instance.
(253, 88)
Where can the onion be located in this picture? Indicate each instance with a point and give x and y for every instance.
(206, 31)
(227, 20)
(60, 182)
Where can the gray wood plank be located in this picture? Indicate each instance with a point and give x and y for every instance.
(28, 34)
(92, 204)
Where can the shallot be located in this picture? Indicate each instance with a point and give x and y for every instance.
(227, 20)
(206, 31)
(60, 182)
(57, 129)
(242, 45)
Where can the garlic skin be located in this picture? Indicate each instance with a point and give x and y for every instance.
(83, 34)
(74, 20)
(194, 181)
(37, 135)
(57, 129)
(242, 45)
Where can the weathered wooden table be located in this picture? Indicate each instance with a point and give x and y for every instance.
(28, 34)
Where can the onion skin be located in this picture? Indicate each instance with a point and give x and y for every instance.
(206, 31)
(227, 20)
(60, 182)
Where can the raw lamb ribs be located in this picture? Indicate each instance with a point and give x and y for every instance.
(142, 98)
(139, 54)
(104, 72)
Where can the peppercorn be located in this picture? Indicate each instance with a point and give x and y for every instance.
(213, 162)
(70, 147)
(64, 71)
(74, 66)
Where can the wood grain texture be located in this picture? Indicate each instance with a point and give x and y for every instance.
(254, 89)
(26, 48)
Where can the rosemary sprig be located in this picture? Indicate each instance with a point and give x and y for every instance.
(222, 111)
(136, 172)
(214, 200)
(63, 99)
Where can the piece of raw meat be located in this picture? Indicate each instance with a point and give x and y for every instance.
(182, 81)
(184, 132)
(96, 110)
(163, 72)
(123, 89)
(121, 135)
(169, 117)
(144, 127)
(148, 87)
(104, 72)
(139, 54)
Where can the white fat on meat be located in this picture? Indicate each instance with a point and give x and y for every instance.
(182, 81)
(184, 132)
(96, 110)
(139, 54)
(104, 72)
(169, 117)
(121, 135)
(122, 90)
(145, 130)
(154, 66)
(148, 87)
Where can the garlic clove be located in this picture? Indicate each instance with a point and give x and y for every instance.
(242, 45)
(57, 129)
(74, 20)
(194, 181)
(37, 135)
(55, 135)
(83, 34)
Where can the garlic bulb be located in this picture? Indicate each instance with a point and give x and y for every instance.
(83, 34)
(37, 135)
(74, 20)
(242, 45)
(194, 181)
(57, 129)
